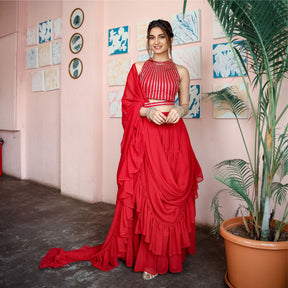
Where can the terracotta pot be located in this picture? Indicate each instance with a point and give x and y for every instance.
(252, 263)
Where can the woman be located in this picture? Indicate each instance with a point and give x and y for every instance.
(158, 174)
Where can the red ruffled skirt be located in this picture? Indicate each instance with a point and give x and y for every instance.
(154, 221)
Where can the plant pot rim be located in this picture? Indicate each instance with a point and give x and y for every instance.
(237, 221)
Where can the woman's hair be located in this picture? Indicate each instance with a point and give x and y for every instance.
(166, 28)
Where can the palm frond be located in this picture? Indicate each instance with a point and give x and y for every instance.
(262, 26)
(283, 168)
(239, 210)
(266, 36)
(264, 105)
(218, 217)
(184, 7)
(279, 192)
(240, 49)
(281, 155)
(229, 96)
(236, 174)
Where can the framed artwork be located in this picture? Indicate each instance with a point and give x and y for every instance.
(31, 58)
(224, 63)
(52, 79)
(118, 40)
(194, 102)
(115, 104)
(190, 57)
(57, 28)
(75, 68)
(118, 70)
(142, 35)
(45, 55)
(77, 18)
(221, 109)
(76, 43)
(32, 36)
(186, 30)
(56, 53)
(217, 29)
(38, 83)
(45, 31)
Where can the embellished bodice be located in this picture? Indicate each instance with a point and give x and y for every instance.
(160, 80)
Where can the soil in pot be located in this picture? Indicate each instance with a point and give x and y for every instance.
(241, 232)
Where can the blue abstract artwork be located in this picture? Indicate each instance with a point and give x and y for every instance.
(186, 30)
(32, 58)
(45, 31)
(194, 102)
(118, 40)
(224, 62)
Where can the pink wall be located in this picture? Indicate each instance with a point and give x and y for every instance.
(42, 121)
(64, 127)
(81, 107)
(13, 20)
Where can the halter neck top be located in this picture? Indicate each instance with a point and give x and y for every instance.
(160, 80)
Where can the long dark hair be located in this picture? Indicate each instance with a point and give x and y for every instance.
(167, 30)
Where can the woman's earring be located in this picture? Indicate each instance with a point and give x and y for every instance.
(170, 52)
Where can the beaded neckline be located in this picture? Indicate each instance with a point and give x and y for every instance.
(168, 64)
(161, 62)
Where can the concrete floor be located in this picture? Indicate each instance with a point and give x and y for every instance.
(34, 218)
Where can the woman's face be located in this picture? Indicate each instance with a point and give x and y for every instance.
(157, 41)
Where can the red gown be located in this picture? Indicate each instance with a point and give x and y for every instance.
(158, 175)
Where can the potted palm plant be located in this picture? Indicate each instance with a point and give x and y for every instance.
(260, 181)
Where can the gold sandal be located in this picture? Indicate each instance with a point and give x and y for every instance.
(148, 276)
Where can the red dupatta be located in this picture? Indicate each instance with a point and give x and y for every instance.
(121, 242)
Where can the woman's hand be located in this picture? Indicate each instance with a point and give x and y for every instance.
(157, 116)
(174, 115)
